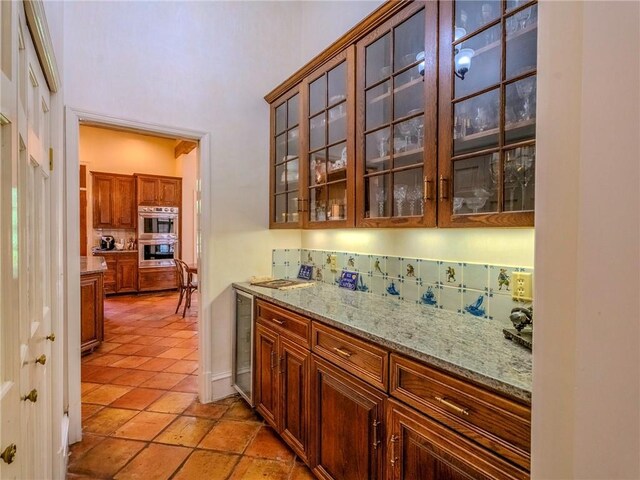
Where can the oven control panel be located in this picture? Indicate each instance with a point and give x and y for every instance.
(173, 210)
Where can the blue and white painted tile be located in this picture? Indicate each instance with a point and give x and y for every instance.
(411, 291)
(430, 295)
(279, 257)
(451, 274)
(501, 279)
(378, 285)
(451, 299)
(410, 269)
(429, 271)
(364, 282)
(378, 265)
(394, 287)
(394, 267)
(476, 303)
(476, 276)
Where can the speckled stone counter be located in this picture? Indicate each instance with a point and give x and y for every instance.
(470, 347)
(92, 265)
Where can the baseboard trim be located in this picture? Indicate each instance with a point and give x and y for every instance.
(220, 386)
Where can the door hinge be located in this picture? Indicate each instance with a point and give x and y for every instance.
(51, 159)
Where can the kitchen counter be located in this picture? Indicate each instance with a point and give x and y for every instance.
(471, 347)
(103, 252)
(92, 264)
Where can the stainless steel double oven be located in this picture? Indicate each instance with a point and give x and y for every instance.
(157, 236)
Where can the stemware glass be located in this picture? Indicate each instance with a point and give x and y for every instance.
(383, 141)
(479, 199)
(399, 195)
(414, 194)
(523, 17)
(525, 88)
(405, 129)
(381, 199)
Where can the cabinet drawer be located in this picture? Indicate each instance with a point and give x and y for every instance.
(498, 423)
(288, 324)
(366, 361)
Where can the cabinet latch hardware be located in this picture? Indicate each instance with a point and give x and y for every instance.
(444, 186)
(376, 442)
(341, 351)
(279, 322)
(428, 189)
(42, 359)
(51, 337)
(273, 356)
(452, 406)
(282, 364)
(32, 396)
(394, 439)
(9, 453)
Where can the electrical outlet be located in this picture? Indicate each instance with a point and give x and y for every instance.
(333, 263)
(522, 288)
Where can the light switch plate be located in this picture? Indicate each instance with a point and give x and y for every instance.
(522, 286)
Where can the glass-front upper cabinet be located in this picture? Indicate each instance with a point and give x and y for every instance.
(286, 201)
(329, 106)
(487, 112)
(397, 122)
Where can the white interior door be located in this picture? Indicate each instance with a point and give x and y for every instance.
(25, 259)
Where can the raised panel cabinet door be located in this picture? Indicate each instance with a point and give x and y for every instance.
(147, 191)
(267, 374)
(347, 424)
(169, 192)
(420, 448)
(294, 394)
(127, 277)
(103, 201)
(91, 311)
(110, 275)
(125, 202)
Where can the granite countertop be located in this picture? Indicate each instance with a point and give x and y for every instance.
(97, 251)
(92, 265)
(471, 347)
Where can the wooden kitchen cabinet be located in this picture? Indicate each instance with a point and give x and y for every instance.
(91, 311)
(420, 448)
(154, 190)
(122, 271)
(157, 278)
(347, 425)
(113, 201)
(282, 383)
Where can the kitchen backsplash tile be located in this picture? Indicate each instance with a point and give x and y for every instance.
(474, 289)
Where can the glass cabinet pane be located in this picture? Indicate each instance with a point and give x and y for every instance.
(470, 15)
(377, 191)
(378, 105)
(317, 168)
(337, 162)
(292, 143)
(281, 208)
(477, 62)
(338, 123)
(317, 95)
(519, 179)
(337, 207)
(281, 117)
(475, 123)
(378, 60)
(292, 207)
(377, 151)
(317, 204)
(292, 112)
(522, 42)
(520, 110)
(408, 92)
(408, 41)
(281, 148)
(475, 183)
(317, 132)
(337, 83)
(292, 175)
(408, 193)
(406, 142)
(281, 178)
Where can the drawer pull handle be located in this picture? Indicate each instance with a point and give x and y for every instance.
(344, 353)
(279, 322)
(273, 356)
(376, 442)
(452, 406)
(393, 440)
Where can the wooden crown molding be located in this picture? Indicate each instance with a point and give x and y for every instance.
(37, 23)
(184, 147)
(381, 14)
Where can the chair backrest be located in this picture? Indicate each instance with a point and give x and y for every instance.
(181, 271)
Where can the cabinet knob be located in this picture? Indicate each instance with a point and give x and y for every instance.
(42, 359)
(32, 396)
(51, 337)
(9, 453)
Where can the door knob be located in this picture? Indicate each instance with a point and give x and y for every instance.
(9, 453)
(32, 396)
(42, 359)
(51, 337)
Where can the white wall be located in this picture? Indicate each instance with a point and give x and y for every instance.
(188, 170)
(586, 386)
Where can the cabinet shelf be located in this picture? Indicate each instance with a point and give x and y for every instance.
(473, 138)
(397, 90)
(515, 36)
(400, 155)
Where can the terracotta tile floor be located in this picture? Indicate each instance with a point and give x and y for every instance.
(141, 417)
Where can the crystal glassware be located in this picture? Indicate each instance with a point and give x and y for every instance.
(523, 17)
(381, 199)
(525, 88)
(399, 195)
(479, 199)
(383, 142)
(414, 194)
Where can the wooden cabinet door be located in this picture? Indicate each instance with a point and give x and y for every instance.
(169, 192)
(127, 276)
(294, 394)
(420, 448)
(103, 201)
(266, 387)
(147, 190)
(346, 421)
(91, 311)
(125, 202)
(110, 284)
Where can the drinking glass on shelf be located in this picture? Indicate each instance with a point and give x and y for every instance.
(482, 120)
(381, 199)
(479, 199)
(414, 194)
(525, 88)
(405, 130)
(399, 195)
(383, 142)
(523, 17)
(457, 204)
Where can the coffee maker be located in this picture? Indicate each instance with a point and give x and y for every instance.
(107, 242)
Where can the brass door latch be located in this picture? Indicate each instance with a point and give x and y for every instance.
(9, 453)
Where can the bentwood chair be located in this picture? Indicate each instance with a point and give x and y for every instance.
(186, 285)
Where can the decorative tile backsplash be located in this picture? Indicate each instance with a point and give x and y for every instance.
(481, 290)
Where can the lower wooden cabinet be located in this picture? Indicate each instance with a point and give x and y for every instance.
(347, 425)
(91, 311)
(420, 448)
(157, 278)
(282, 386)
(122, 272)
